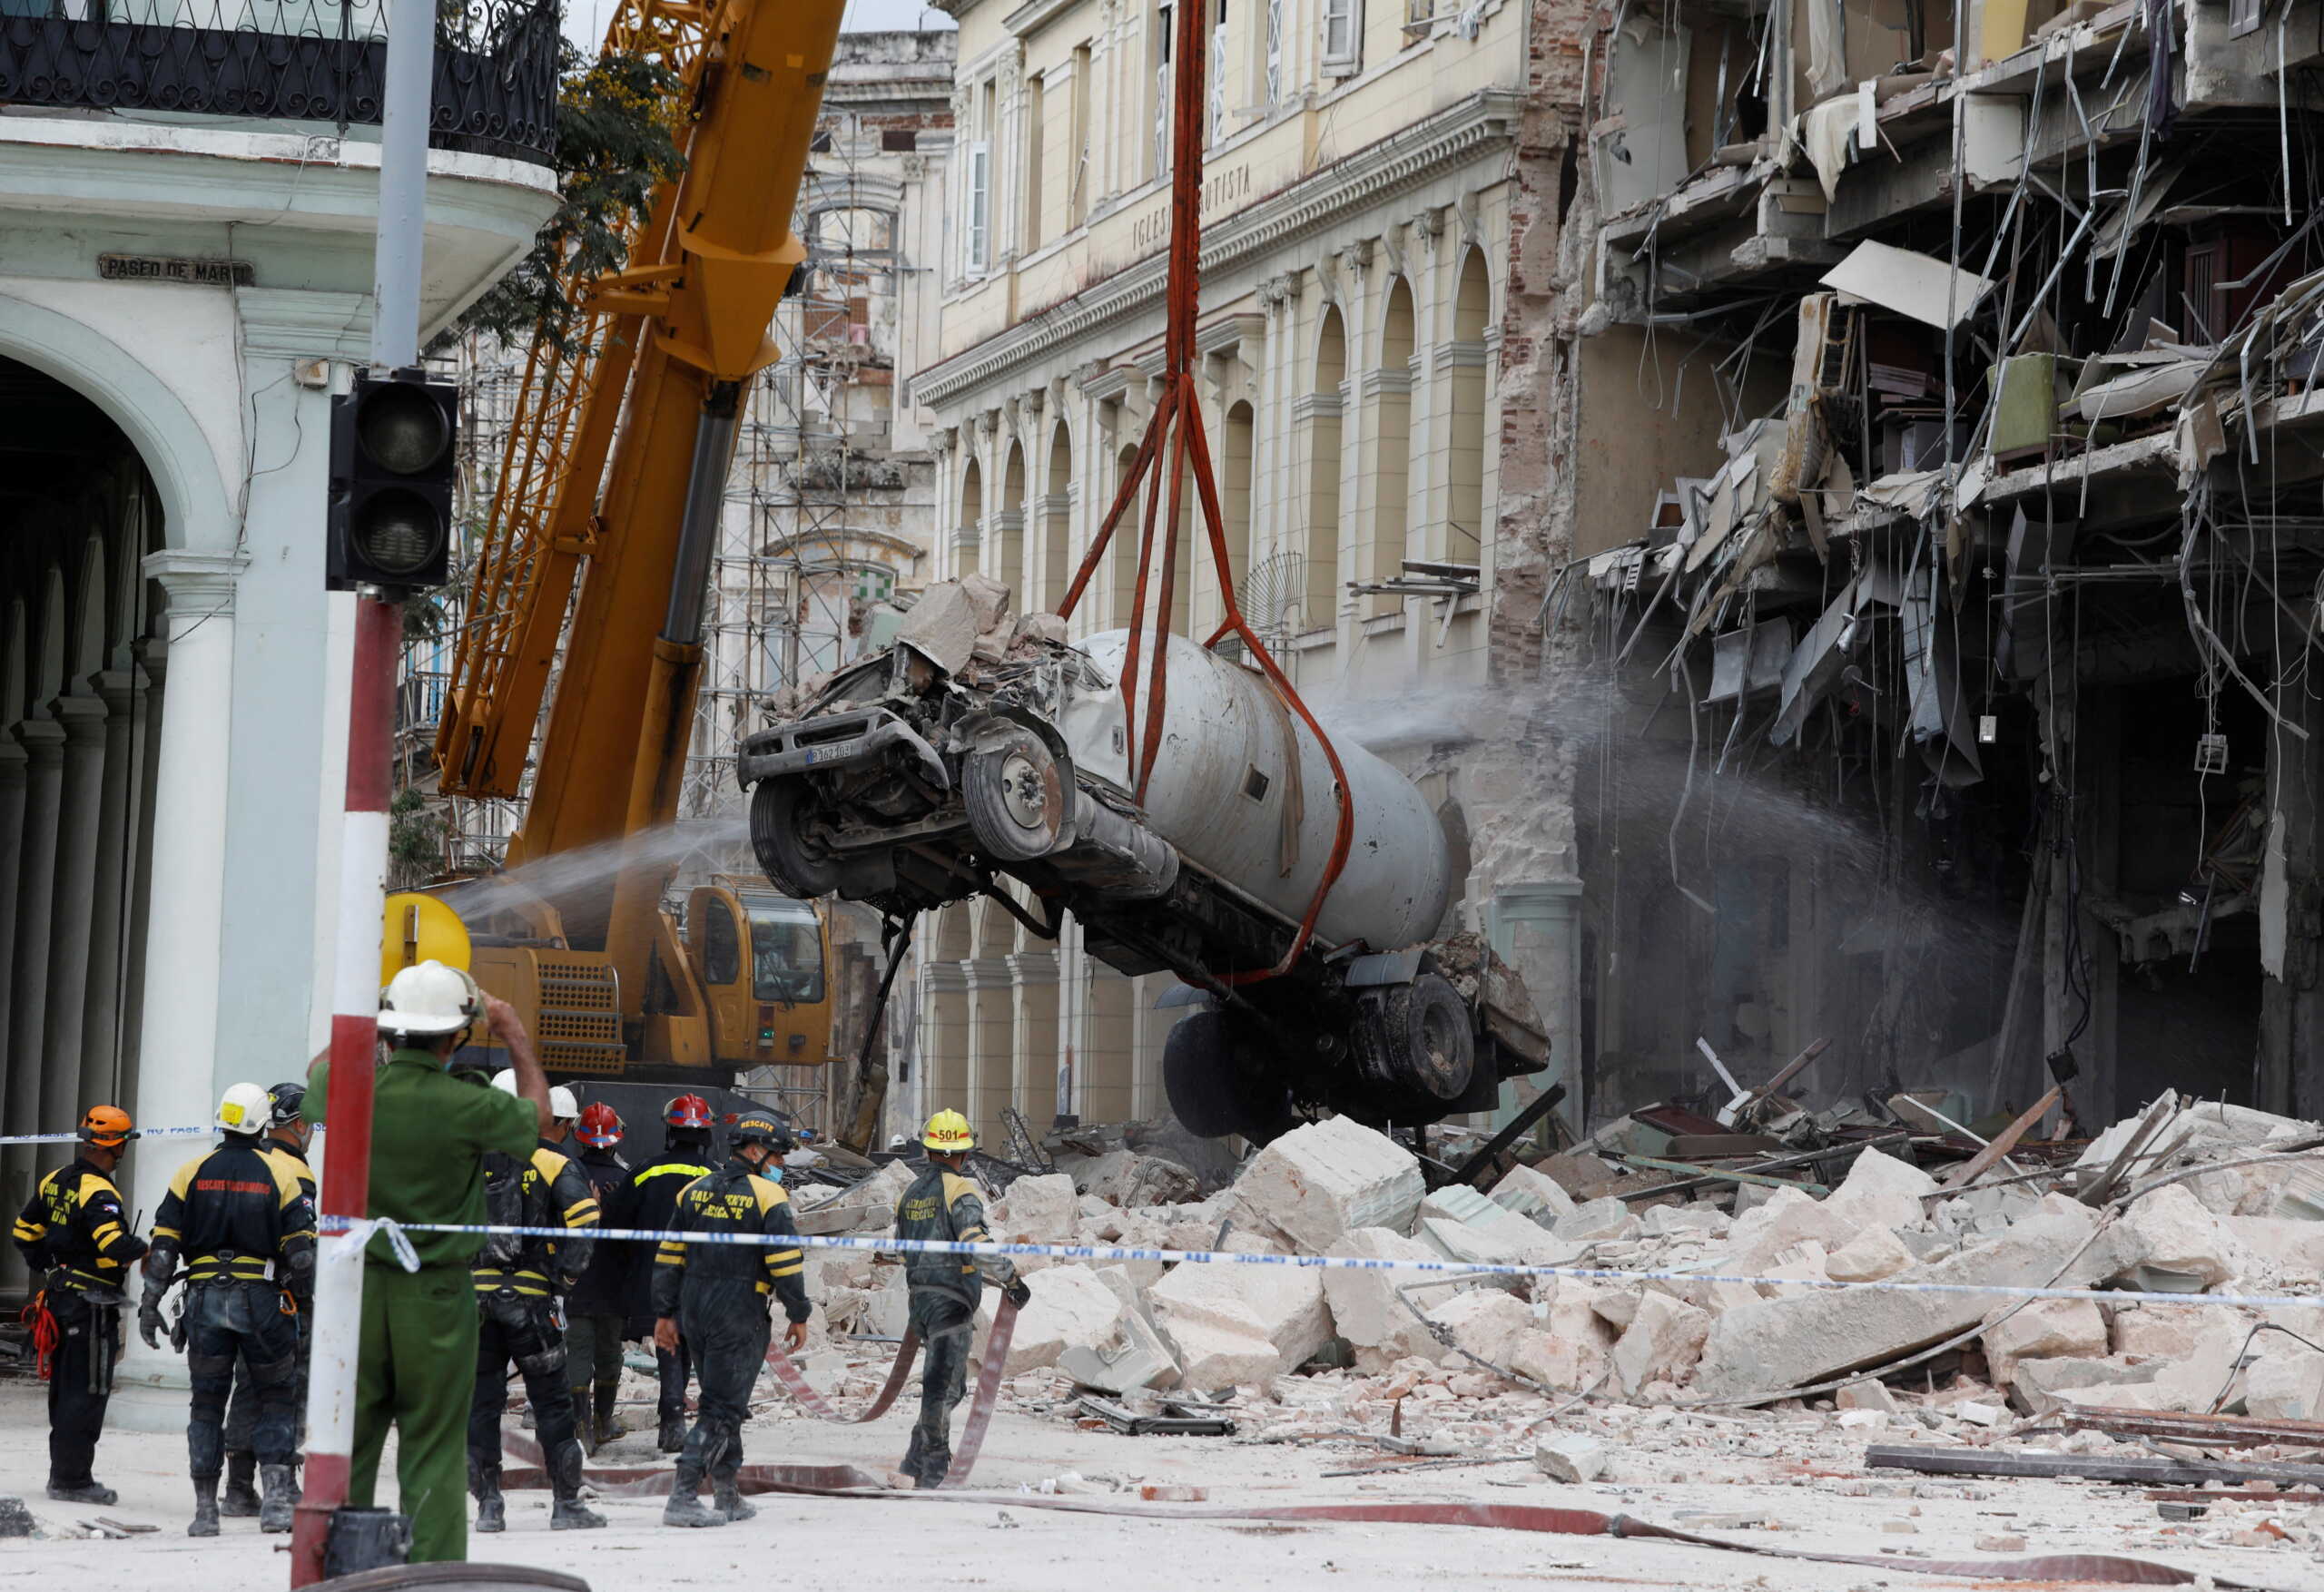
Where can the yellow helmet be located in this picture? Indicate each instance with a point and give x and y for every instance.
(947, 1133)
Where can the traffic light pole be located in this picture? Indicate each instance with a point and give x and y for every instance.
(345, 1192)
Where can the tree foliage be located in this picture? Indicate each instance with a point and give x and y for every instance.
(614, 145)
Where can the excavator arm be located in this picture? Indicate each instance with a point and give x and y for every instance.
(615, 470)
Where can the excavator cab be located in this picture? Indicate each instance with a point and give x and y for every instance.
(762, 960)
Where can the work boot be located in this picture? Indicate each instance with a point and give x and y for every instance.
(240, 1501)
(279, 1508)
(205, 1507)
(609, 1425)
(726, 1498)
(685, 1508)
(933, 1464)
(674, 1434)
(569, 1513)
(82, 1492)
(484, 1485)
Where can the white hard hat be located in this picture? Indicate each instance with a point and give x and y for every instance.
(244, 1108)
(562, 1103)
(505, 1080)
(429, 999)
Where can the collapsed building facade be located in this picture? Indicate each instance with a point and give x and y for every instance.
(1936, 645)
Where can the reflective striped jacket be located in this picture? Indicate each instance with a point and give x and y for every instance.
(733, 1199)
(549, 1190)
(943, 1206)
(73, 1228)
(237, 1214)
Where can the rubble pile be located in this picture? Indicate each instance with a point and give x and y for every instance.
(2217, 1202)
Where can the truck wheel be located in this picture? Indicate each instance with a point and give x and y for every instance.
(1429, 1047)
(1019, 799)
(1211, 1088)
(796, 865)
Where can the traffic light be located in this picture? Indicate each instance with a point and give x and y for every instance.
(391, 473)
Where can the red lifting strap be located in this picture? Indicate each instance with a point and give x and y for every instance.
(1177, 424)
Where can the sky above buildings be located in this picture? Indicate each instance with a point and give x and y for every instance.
(584, 20)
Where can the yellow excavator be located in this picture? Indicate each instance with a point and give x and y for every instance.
(607, 503)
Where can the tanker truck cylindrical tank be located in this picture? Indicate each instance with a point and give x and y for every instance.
(1241, 789)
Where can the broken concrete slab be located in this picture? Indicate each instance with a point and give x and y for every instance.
(1212, 1357)
(2160, 1331)
(1581, 1341)
(1070, 1308)
(1130, 1178)
(1485, 1323)
(1462, 1205)
(1781, 1343)
(2045, 1328)
(2041, 1386)
(2286, 1383)
(1135, 1357)
(1788, 1218)
(2170, 1231)
(1533, 1194)
(1365, 1308)
(1880, 1191)
(1871, 1256)
(1038, 1210)
(1571, 1457)
(1600, 1221)
(1320, 1182)
(1664, 1339)
(1282, 1306)
(1866, 1394)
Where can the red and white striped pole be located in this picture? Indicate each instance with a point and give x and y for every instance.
(354, 1050)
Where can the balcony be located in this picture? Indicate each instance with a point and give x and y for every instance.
(277, 61)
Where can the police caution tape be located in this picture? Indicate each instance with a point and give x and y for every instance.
(331, 1225)
(205, 1131)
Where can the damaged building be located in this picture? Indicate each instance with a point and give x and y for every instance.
(1946, 555)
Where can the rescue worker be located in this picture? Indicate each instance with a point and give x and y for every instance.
(242, 1222)
(429, 1134)
(715, 1294)
(288, 1135)
(943, 1205)
(593, 1310)
(74, 1230)
(645, 1201)
(518, 1282)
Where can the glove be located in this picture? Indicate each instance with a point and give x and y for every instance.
(149, 1324)
(1017, 1293)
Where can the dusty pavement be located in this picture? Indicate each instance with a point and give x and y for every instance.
(1794, 1481)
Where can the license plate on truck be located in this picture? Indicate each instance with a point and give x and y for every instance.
(837, 752)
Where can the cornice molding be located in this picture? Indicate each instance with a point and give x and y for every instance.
(1479, 124)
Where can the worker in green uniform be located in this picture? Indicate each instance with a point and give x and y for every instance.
(430, 1132)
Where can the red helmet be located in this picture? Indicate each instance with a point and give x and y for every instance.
(600, 1127)
(687, 1111)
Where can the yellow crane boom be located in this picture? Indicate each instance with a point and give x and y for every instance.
(612, 477)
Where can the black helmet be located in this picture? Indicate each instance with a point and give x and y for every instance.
(756, 1127)
(289, 1104)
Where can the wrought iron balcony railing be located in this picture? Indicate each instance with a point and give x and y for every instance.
(315, 60)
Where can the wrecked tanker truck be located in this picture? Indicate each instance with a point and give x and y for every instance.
(970, 754)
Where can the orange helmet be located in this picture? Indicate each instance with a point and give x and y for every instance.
(108, 1126)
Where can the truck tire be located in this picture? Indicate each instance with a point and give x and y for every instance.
(1426, 1042)
(1019, 800)
(795, 865)
(1213, 1085)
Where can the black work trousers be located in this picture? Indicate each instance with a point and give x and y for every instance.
(593, 1351)
(673, 1368)
(241, 1409)
(224, 1322)
(522, 1328)
(80, 1382)
(726, 1329)
(946, 1323)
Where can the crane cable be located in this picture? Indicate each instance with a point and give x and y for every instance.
(1178, 421)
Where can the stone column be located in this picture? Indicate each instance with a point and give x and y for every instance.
(43, 741)
(81, 793)
(1536, 929)
(1038, 1053)
(991, 1046)
(145, 740)
(109, 885)
(186, 896)
(2291, 914)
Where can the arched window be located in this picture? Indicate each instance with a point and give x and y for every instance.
(1056, 564)
(1391, 469)
(1007, 562)
(966, 539)
(1462, 538)
(1320, 587)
